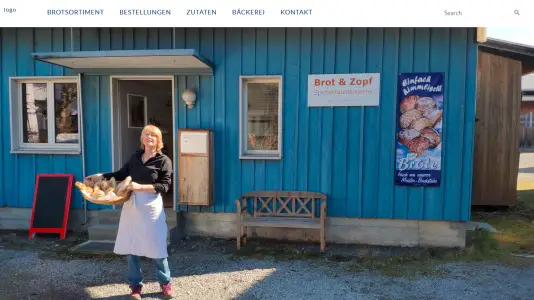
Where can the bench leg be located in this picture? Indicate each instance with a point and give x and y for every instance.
(323, 225)
(244, 235)
(323, 242)
(238, 236)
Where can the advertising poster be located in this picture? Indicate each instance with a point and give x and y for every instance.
(419, 129)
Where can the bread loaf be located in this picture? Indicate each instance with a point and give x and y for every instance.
(122, 187)
(432, 135)
(425, 103)
(408, 103)
(408, 117)
(433, 115)
(419, 145)
(421, 124)
(407, 135)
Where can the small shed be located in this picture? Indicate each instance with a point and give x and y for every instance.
(501, 64)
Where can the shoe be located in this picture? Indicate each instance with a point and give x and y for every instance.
(136, 292)
(167, 289)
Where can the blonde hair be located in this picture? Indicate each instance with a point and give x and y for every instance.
(155, 130)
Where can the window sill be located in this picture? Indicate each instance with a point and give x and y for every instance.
(46, 151)
(260, 157)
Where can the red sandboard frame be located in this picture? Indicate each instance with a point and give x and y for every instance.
(63, 230)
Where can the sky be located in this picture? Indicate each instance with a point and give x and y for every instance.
(517, 35)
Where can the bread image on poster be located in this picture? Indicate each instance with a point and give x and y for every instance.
(419, 129)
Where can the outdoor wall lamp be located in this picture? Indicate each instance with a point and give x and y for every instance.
(189, 98)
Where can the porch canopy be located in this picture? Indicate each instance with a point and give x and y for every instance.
(175, 61)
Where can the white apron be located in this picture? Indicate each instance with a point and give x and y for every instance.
(142, 227)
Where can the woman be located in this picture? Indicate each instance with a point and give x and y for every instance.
(142, 227)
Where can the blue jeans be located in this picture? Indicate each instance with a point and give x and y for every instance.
(135, 276)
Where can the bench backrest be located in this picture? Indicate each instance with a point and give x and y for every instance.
(284, 203)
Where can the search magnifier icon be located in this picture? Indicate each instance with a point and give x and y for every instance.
(516, 12)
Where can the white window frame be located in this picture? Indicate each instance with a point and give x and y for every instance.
(145, 108)
(15, 110)
(244, 153)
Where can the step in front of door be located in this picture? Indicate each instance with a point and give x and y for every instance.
(94, 247)
(112, 217)
(108, 232)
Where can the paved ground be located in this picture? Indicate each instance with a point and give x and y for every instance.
(526, 169)
(209, 271)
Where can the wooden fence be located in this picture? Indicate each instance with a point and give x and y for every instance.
(496, 157)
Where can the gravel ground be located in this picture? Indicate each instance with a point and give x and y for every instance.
(203, 273)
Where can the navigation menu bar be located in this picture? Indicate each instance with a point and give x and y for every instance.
(275, 13)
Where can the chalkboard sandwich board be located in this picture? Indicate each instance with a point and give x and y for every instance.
(51, 204)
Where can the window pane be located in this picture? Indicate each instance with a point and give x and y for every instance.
(34, 113)
(136, 112)
(262, 116)
(66, 112)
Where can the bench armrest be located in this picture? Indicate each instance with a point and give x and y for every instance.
(323, 205)
(323, 209)
(241, 206)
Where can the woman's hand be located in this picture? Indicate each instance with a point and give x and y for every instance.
(134, 186)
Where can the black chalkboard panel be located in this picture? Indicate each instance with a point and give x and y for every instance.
(51, 204)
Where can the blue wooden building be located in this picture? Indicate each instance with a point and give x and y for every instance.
(345, 152)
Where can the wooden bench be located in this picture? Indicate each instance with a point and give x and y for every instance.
(280, 209)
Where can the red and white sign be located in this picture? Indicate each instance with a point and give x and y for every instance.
(344, 89)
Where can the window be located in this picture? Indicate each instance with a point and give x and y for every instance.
(261, 118)
(137, 111)
(45, 115)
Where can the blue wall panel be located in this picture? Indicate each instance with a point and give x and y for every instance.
(388, 113)
(355, 130)
(439, 61)
(17, 189)
(4, 94)
(371, 130)
(276, 60)
(327, 124)
(248, 67)
(315, 133)
(2, 200)
(261, 69)
(232, 172)
(9, 162)
(404, 64)
(421, 54)
(347, 153)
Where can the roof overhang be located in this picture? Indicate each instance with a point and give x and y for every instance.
(175, 61)
(516, 51)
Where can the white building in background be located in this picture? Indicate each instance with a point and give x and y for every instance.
(527, 87)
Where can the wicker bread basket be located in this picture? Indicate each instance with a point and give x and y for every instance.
(117, 194)
(111, 201)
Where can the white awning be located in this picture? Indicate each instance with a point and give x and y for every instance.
(176, 61)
